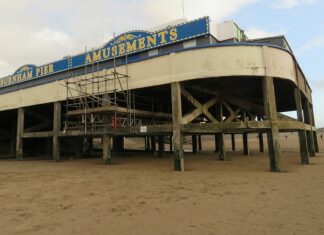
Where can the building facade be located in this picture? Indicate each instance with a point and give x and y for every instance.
(191, 78)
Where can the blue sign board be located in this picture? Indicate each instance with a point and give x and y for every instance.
(122, 45)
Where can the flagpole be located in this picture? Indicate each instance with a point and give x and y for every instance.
(183, 9)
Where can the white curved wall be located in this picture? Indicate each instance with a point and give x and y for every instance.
(186, 65)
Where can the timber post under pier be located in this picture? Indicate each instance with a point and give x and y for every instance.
(107, 149)
(270, 109)
(176, 126)
(20, 131)
(246, 150)
(304, 153)
(56, 129)
(220, 136)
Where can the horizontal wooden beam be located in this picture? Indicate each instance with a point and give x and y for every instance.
(44, 134)
(295, 125)
(199, 128)
(118, 110)
(227, 127)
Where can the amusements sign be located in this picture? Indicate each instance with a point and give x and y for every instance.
(124, 44)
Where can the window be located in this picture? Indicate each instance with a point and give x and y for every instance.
(191, 43)
(153, 52)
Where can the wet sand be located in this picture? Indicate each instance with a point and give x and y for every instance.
(140, 194)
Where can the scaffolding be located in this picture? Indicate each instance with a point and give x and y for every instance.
(100, 102)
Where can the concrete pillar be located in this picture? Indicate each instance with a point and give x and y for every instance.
(233, 142)
(20, 132)
(177, 117)
(107, 149)
(246, 150)
(56, 129)
(270, 108)
(194, 144)
(304, 154)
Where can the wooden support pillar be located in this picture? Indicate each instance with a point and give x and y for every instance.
(233, 141)
(309, 134)
(56, 129)
(270, 109)
(221, 147)
(310, 143)
(20, 131)
(220, 136)
(194, 144)
(199, 143)
(314, 132)
(107, 149)
(304, 154)
(177, 117)
(161, 145)
(246, 150)
(315, 141)
(260, 137)
(261, 146)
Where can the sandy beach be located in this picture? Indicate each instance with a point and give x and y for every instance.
(141, 194)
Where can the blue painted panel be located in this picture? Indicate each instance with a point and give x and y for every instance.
(124, 44)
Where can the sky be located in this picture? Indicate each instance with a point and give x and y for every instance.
(42, 31)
